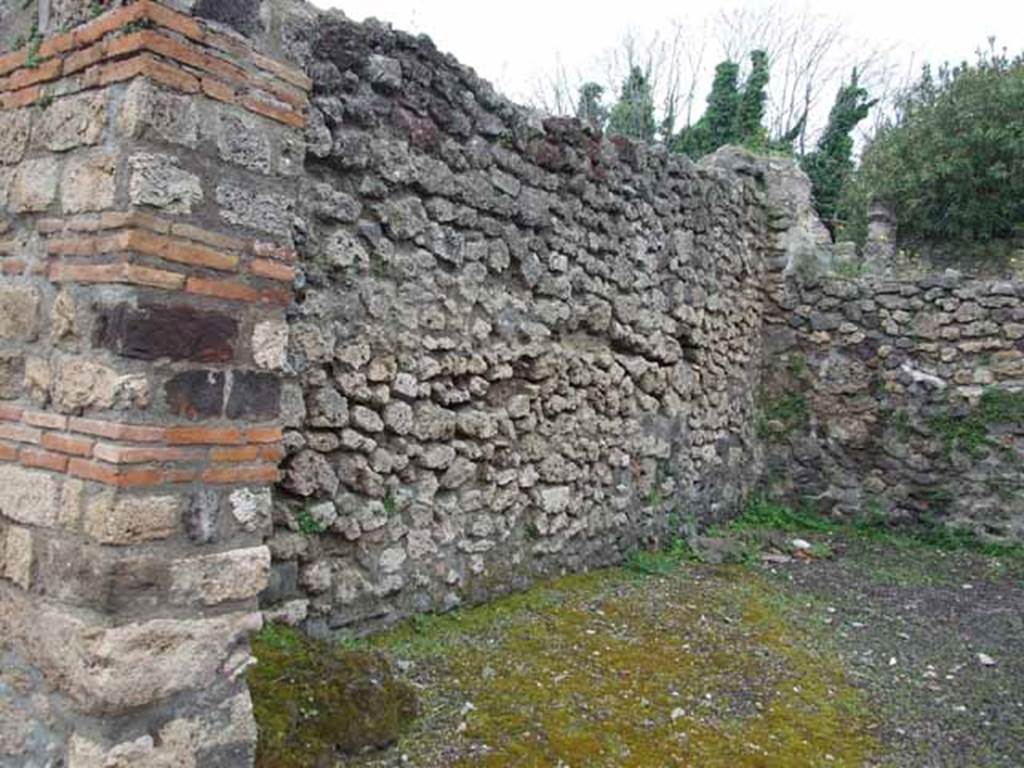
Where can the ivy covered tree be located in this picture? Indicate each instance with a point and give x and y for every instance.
(830, 165)
(633, 114)
(590, 109)
(750, 130)
(733, 115)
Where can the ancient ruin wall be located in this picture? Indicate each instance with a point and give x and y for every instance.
(474, 347)
(898, 399)
(520, 349)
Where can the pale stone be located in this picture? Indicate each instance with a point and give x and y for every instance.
(252, 509)
(265, 211)
(555, 500)
(71, 502)
(391, 560)
(15, 128)
(16, 547)
(459, 473)
(398, 417)
(89, 183)
(19, 312)
(147, 108)
(437, 456)
(214, 579)
(122, 520)
(270, 345)
(243, 141)
(63, 316)
(366, 420)
(38, 379)
(29, 496)
(33, 186)
(80, 384)
(157, 180)
(382, 370)
(179, 744)
(111, 670)
(72, 121)
(292, 613)
(355, 355)
(316, 577)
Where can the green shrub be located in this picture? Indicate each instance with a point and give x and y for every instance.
(951, 164)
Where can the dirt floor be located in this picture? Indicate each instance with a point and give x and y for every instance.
(880, 653)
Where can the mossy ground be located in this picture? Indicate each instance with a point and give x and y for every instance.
(314, 701)
(865, 658)
(701, 666)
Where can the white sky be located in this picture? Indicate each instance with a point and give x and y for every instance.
(511, 43)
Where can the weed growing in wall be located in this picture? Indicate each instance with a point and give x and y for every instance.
(969, 432)
(308, 524)
(782, 415)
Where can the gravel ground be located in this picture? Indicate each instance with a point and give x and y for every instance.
(885, 655)
(936, 641)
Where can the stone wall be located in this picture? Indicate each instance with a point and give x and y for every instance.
(900, 400)
(400, 347)
(149, 167)
(520, 348)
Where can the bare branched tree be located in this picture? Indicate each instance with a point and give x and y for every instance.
(673, 62)
(810, 55)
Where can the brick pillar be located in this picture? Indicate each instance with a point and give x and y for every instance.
(148, 172)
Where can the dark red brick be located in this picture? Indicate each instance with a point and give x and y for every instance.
(175, 332)
(196, 394)
(254, 396)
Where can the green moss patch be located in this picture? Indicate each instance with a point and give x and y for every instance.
(314, 701)
(699, 666)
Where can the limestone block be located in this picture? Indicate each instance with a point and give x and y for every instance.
(112, 670)
(252, 508)
(148, 109)
(159, 181)
(15, 129)
(243, 141)
(72, 121)
(213, 579)
(33, 186)
(270, 345)
(16, 555)
(123, 520)
(263, 211)
(80, 384)
(29, 496)
(19, 312)
(88, 183)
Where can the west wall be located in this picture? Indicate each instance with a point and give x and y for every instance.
(520, 348)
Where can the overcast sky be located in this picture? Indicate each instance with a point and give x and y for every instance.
(511, 43)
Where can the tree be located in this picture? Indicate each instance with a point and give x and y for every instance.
(672, 63)
(951, 162)
(633, 114)
(830, 165)
(733, 116)
(590, 108)
(750, 111)
(810, 54)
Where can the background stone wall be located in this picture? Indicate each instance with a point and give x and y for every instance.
(520, 348)
(898, 399)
